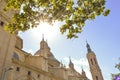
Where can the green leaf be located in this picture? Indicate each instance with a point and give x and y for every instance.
(106, 12)
(73, 14)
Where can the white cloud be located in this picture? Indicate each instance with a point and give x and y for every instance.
(30, 51)
(80, 63)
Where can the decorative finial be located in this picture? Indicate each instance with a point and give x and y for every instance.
(70, 59)
(82, 68)
(87, 43)
(64, 66)
(42, 37)
(46, 40)
(71, 65)
(61, 65)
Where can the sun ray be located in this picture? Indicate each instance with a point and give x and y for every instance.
(49, 31)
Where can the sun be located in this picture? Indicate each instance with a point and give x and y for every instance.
(44, 28)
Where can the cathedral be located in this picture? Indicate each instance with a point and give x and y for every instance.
(17, 64)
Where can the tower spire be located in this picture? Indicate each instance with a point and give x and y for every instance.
(71, 65)
(94, 66)
(88, 47)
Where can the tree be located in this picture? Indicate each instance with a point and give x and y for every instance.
(73, 14)
(114, 76)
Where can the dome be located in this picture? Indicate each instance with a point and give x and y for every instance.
(51, 56)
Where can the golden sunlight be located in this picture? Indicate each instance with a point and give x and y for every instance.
(49, 32)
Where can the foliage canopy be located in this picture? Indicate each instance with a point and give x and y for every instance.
(117, 74)
(73, 14)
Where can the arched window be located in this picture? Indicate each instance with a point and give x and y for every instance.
(38, 76)
(1, 23)
(29, 73)
(96, 77)
(92, 61)
(17, 69)
(15, 56)
(95, 61)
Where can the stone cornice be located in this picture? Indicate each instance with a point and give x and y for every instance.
(36, 69)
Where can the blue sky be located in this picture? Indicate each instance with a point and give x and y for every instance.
(103, 35)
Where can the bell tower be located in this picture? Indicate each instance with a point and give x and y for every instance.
(94, 66)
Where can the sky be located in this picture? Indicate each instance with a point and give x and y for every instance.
(103, 35)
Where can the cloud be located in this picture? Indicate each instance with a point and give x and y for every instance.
(30, 51)
(78, 64)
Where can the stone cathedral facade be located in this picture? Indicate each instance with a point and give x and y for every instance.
(17, 64)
